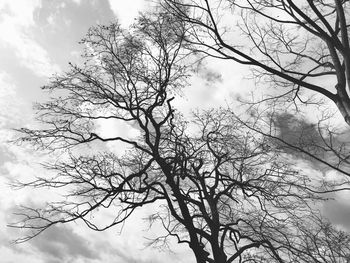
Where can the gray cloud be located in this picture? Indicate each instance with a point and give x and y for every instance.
(208, 74)
(123, 253)
(61, 243)
(300, 133)
(338, 213)
(211, 76)
(70, 21)
(59, 25)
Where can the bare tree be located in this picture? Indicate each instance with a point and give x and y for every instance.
(292, 45)
(219, 188)
(324, 147)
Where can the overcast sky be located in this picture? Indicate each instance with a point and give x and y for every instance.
(37, 39)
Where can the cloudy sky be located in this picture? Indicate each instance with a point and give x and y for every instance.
(37, 39)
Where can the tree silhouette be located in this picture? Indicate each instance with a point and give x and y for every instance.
(291, 45)
(221, 187)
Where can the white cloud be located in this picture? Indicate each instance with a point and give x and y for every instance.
(113, 128)
(78, 2)
(213, 86)
(10, 104)
(17, 19)
(16, 24)
(125, 11)
(20, 11)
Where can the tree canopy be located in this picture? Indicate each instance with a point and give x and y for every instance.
(221, 185)
(290, 45)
